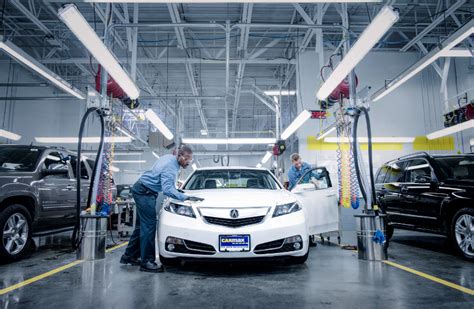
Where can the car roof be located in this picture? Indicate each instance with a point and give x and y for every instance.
(425, 155)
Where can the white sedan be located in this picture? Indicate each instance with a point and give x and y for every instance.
(246, 213)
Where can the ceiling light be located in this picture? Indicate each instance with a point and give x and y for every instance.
(266, 157)
(203, 132)
(233, 1)
(326, 132)
(114, 169)
(156, 121)
(230, 141)
(86, 140)
(155, 154)
(128, 161)
(31, 63)
(456, 52)
(73, 19)
(296, 124)
(443, 49)
(125, 132)
(367, 40)
(116, 153)
(451, 130)
(278, 92)
(259, 165)
(365, 140)
(194, 166)
(9, 135)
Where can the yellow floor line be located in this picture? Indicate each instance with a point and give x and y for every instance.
(432, 278)
(50, 273)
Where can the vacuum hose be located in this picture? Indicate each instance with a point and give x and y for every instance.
(76, 237)
(356, 156)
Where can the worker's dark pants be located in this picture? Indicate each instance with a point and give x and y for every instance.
(142, 241)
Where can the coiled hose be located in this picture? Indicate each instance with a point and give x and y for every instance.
(76, 236)
(356, 157)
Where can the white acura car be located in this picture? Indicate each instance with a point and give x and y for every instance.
(246, 213)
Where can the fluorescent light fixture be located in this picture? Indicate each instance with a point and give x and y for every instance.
(367, 40)
(278, 93)
(10, 135)
(204, 132)
(296, 124)
(326, 132)
(128, 161)
(266, 157)
(124, 132)
(456, 52)
(116, 153)
(114, 169)
(451, 130)
(155, 154)
(156, 121)
(230, 141)
(443, 50)
(73, 19)
(232, 1)
(86, 140)
(194, 166)
(259, 165)
(31, 63)
(365, 140)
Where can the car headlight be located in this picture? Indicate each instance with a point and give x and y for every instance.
(285, 209)
(179, 209)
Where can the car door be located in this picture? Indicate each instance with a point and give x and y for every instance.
(86, 172)
(318, 198)
(54, 191)
(389, 192)
(420, 193)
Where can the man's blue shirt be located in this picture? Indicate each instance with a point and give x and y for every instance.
(162, 177)
(294, 174)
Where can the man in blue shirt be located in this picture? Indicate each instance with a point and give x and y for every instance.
(297, 170)
(161, 178)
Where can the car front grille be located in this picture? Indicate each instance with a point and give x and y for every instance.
(234, 222)
(197, 246)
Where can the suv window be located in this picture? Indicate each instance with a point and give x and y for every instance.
(381, 174)
(55, 161)
(395, 172)
(84, 173)
(418, 171)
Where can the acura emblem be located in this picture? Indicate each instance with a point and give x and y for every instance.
(234, 213)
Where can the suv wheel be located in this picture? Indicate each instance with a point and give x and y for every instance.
(15, 232)
(462, 231)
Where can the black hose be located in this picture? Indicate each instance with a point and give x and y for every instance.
(76, 237)
(356, 156)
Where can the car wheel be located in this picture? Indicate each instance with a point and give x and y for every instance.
(462, 232)
(169, 261)
(15, 232)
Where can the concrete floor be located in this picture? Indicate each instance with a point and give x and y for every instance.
(332, 278)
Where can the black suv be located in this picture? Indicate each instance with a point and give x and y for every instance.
(37, 194)
(432, 194)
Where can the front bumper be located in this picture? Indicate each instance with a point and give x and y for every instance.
(199, 235)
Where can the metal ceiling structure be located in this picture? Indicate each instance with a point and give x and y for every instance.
(204, 67)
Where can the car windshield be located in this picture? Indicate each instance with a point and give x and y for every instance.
(22, 159)
(231, 179)
(457, 168)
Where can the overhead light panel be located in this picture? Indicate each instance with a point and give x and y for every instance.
(326, 132)
(116, 153)
(259, 165)
(232, 1)
(128, 161)
(125, 132)
(73, 19)
(18, 54)
(85, 140)
(114, 169)
(10, 135)
(278, 93)
(296, 124)
(445, 49)
(451, 130)
(228, 141)
(155, 154)
(194, 166)
(367, 40)
(457, 53)
(266, 157)
(160, 125)
(365, 140)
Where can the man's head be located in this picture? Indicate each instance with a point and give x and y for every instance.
(296, 161)
(184, 155)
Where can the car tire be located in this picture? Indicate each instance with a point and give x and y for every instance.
(169, 261)
(460, 233)
(13, 247)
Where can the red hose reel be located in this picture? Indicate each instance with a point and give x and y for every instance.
(342, 90)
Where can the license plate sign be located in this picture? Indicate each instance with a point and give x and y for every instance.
(234, 243)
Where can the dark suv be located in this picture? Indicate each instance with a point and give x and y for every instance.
(37, 194)
(432, 194)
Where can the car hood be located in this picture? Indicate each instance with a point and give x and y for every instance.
(225, 198)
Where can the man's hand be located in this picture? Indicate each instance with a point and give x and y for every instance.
(194, 199)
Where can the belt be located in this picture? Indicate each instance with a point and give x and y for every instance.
(152, 192)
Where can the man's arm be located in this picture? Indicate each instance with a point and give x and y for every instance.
(168, 181)
(291, 179)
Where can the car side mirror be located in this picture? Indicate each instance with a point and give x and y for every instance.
(46, 172)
